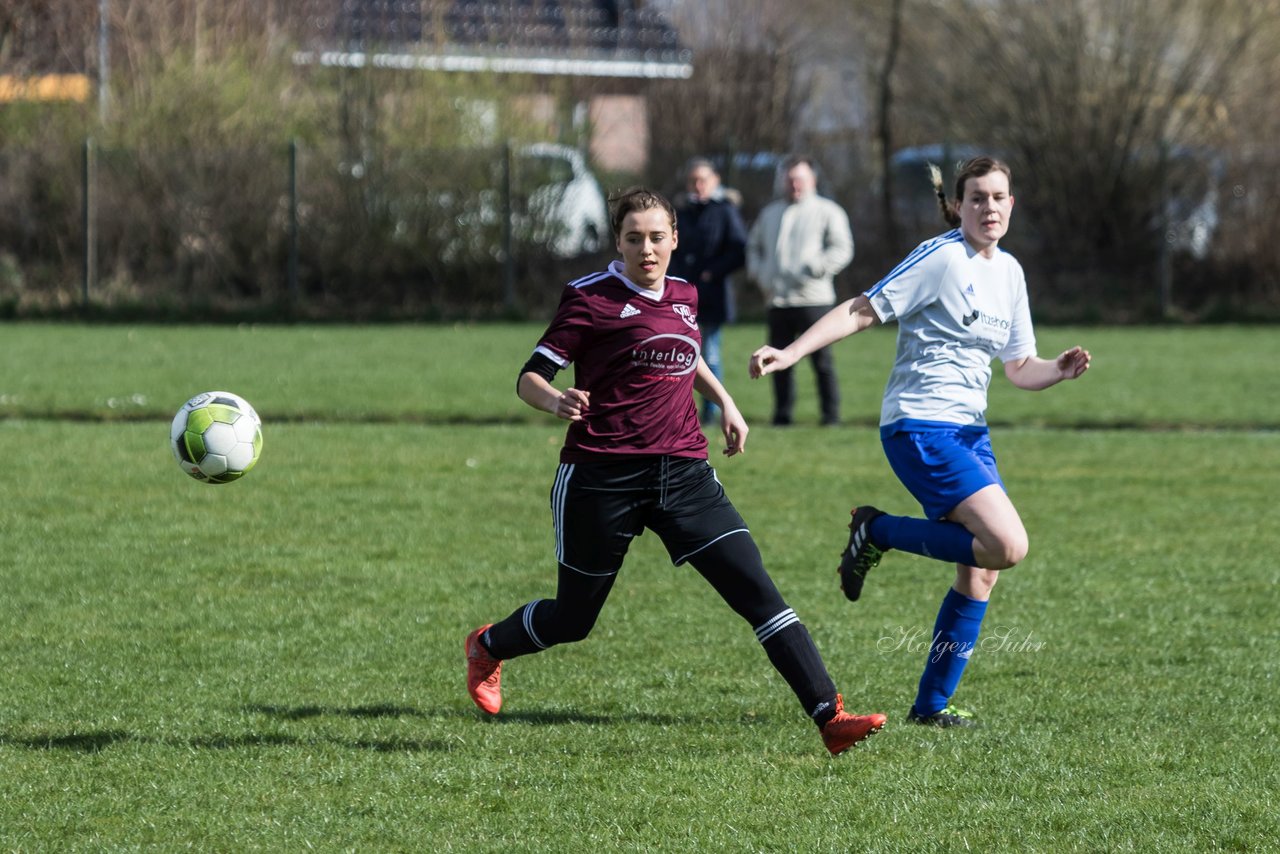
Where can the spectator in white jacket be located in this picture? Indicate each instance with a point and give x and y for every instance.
(794, 250)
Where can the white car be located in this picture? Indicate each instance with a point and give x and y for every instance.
(565, 209)
(556, 205)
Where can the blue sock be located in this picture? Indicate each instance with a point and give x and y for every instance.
(940, 540)
(954, 635)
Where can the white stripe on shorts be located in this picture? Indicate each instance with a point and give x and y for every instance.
(683, 558)
(558, 490)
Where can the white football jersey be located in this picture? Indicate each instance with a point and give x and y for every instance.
(956, 311)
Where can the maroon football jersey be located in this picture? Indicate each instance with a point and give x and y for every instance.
(636, 351)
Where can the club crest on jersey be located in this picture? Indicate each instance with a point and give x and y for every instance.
(686, 314)
(628, 310)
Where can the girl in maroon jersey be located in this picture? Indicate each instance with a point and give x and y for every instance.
(635, 457)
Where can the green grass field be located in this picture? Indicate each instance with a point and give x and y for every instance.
(276, 664)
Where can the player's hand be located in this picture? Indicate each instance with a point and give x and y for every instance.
(735, 430)
(1074, 362)
(572, 403)
(766, 360)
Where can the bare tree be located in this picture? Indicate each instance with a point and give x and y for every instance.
(884, 122)
(1248, 280)
(746, 93)
(1085, 95)
(41, 37)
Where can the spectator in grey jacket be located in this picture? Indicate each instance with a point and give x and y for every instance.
(794, 250)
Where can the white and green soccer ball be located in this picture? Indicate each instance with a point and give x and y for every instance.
(216, 437)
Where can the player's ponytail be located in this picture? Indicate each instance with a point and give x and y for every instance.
(948, 210)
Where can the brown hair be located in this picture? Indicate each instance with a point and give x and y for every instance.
(634, 200)
(795, 160)
(699, 163)
(973, 168)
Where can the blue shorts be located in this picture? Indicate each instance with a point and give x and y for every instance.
(940, 464)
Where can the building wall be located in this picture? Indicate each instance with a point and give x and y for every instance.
(619, 132)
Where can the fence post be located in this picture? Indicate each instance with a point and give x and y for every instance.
(293, 221)
(89, 220)
(508, 256)
(1164, 248)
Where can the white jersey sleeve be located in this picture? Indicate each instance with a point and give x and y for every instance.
(914, 283)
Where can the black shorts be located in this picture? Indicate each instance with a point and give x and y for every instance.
(599, 508)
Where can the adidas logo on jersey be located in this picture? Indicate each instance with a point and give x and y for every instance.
(629, 310)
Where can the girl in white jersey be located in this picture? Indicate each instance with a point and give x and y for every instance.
(960, 301)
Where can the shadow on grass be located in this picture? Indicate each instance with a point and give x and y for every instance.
(78, 742)
(96, 742)
(298, 713)
(548, 717)
(562, 716)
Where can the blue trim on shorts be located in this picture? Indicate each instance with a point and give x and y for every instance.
(940, 464)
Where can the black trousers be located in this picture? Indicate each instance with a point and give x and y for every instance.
(785, 326)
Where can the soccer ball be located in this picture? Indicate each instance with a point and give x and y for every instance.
(216, 437)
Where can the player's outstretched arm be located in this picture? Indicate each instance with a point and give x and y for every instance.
(540, 394)
(850, 317)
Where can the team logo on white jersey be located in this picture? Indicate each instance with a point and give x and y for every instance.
(629, 310)
(988, 320)
(686, 314)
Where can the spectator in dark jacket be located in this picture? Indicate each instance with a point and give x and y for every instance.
(713, 241)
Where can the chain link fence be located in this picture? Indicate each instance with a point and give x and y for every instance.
(282, 230)
(290, 231)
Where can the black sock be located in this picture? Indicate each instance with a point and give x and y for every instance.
(510, 638)
(795, 657)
